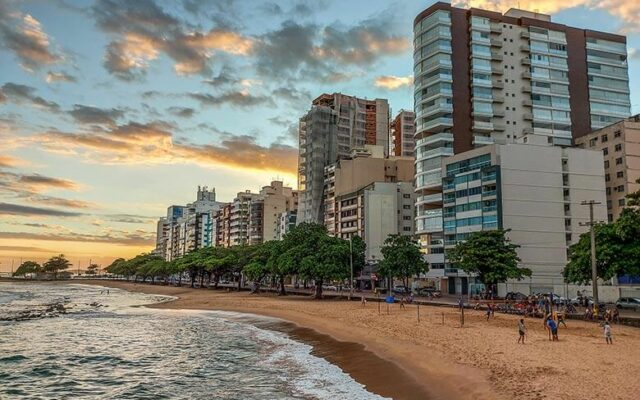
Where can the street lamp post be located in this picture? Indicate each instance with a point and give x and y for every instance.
(351, 265)
(594, 270)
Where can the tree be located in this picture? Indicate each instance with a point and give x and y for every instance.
(329, 261)
(56, 264)
(116, 267)
(617, 250)
(92, 269)
(28, 267)
(490, 256)
(402, 258)
(633, 199)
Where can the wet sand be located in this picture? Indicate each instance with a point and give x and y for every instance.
(397, 356)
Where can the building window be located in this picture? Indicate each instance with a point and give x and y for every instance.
(406, 217)
(607, 177)
(610, 217)
(606, 163)
(604, 138)
(406, 228)
(605, 151)
(617, 134)
(609, 205)
(608, 191)
(621, 202)
(406, 196)
(619, 161)
(620, 188)
(592, 142)
(619, 147)
(620, 174)
(406, 207)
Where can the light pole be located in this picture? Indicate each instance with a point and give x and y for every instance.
(351, 265)
(594, 270)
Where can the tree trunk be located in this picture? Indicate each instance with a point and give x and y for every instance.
(318, 294)
(216, 281)
(180, 279)
(201, 279)
(282, 291)
(193, 280)
(240, 282)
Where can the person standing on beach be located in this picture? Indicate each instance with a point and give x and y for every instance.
(607, 332)
(363, 301)
(402, 302)
(553, 329)
(488, 311)
(522, 330)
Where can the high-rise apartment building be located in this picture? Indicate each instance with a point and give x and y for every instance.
(535, 190)
(620, 146)
(401, 132)
(335, 124)
(481, 77)
(371, 196)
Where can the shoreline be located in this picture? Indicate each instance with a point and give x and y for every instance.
(478, 361)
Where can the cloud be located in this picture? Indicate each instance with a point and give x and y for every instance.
(34, 183)
(53, 77)
(15, 209)
(184, 112)
(93, 115)
(8, 161)
(628, 11)
(26, 248)
(143, 31)
(138, 238)
(297, 97)
(23, 93)
(233, 98)
(392, 82)
(307, 51)
(153, 143)
(23, 34)
(130, 218)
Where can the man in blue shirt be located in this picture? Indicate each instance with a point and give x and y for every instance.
(553, 328)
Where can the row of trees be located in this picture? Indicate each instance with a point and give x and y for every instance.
(52, 266)
(306, 252)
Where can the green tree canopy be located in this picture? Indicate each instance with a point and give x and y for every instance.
(56, 264)
(28, 267)
(617, 250)
(633, 198)
(402, 258)
(93, 269)
(490, 256)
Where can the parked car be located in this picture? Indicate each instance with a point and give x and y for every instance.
(632, 303)
(400, 289)
(429, 292)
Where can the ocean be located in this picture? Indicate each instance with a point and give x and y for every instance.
(73, 341)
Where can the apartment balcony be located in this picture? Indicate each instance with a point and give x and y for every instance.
(482, 140)
(499, 127)
(480, 126)
(498, 99)
(498, 113)
(496, 43)
(526, 75)
(496, 28)
(438, 152)
(435, 124)
(429, 199)
(525, 61)
(527, 102)
(439, 137)
(498, 85)
(496, 57)
(525, 34)
(496, 70)
(526, 88)
(429, 180)
(528, 116)
(440, 108)
(489, 194)
(525, 48)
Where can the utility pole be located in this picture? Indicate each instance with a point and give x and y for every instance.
(351, 265)
(594, 270)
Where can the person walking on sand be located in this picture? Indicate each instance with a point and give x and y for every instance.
(522, 330)
(363, 301)
(607, 332)
(402, 302)
(488, 311)
(553, 329)
(616, 316)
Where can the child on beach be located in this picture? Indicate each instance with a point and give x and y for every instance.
(522, 330)
(607, 332)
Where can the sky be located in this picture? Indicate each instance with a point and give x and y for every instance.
(112, 110)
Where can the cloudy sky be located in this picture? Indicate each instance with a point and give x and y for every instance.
(112, 110)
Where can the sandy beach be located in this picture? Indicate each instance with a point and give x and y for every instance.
(478, 361)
